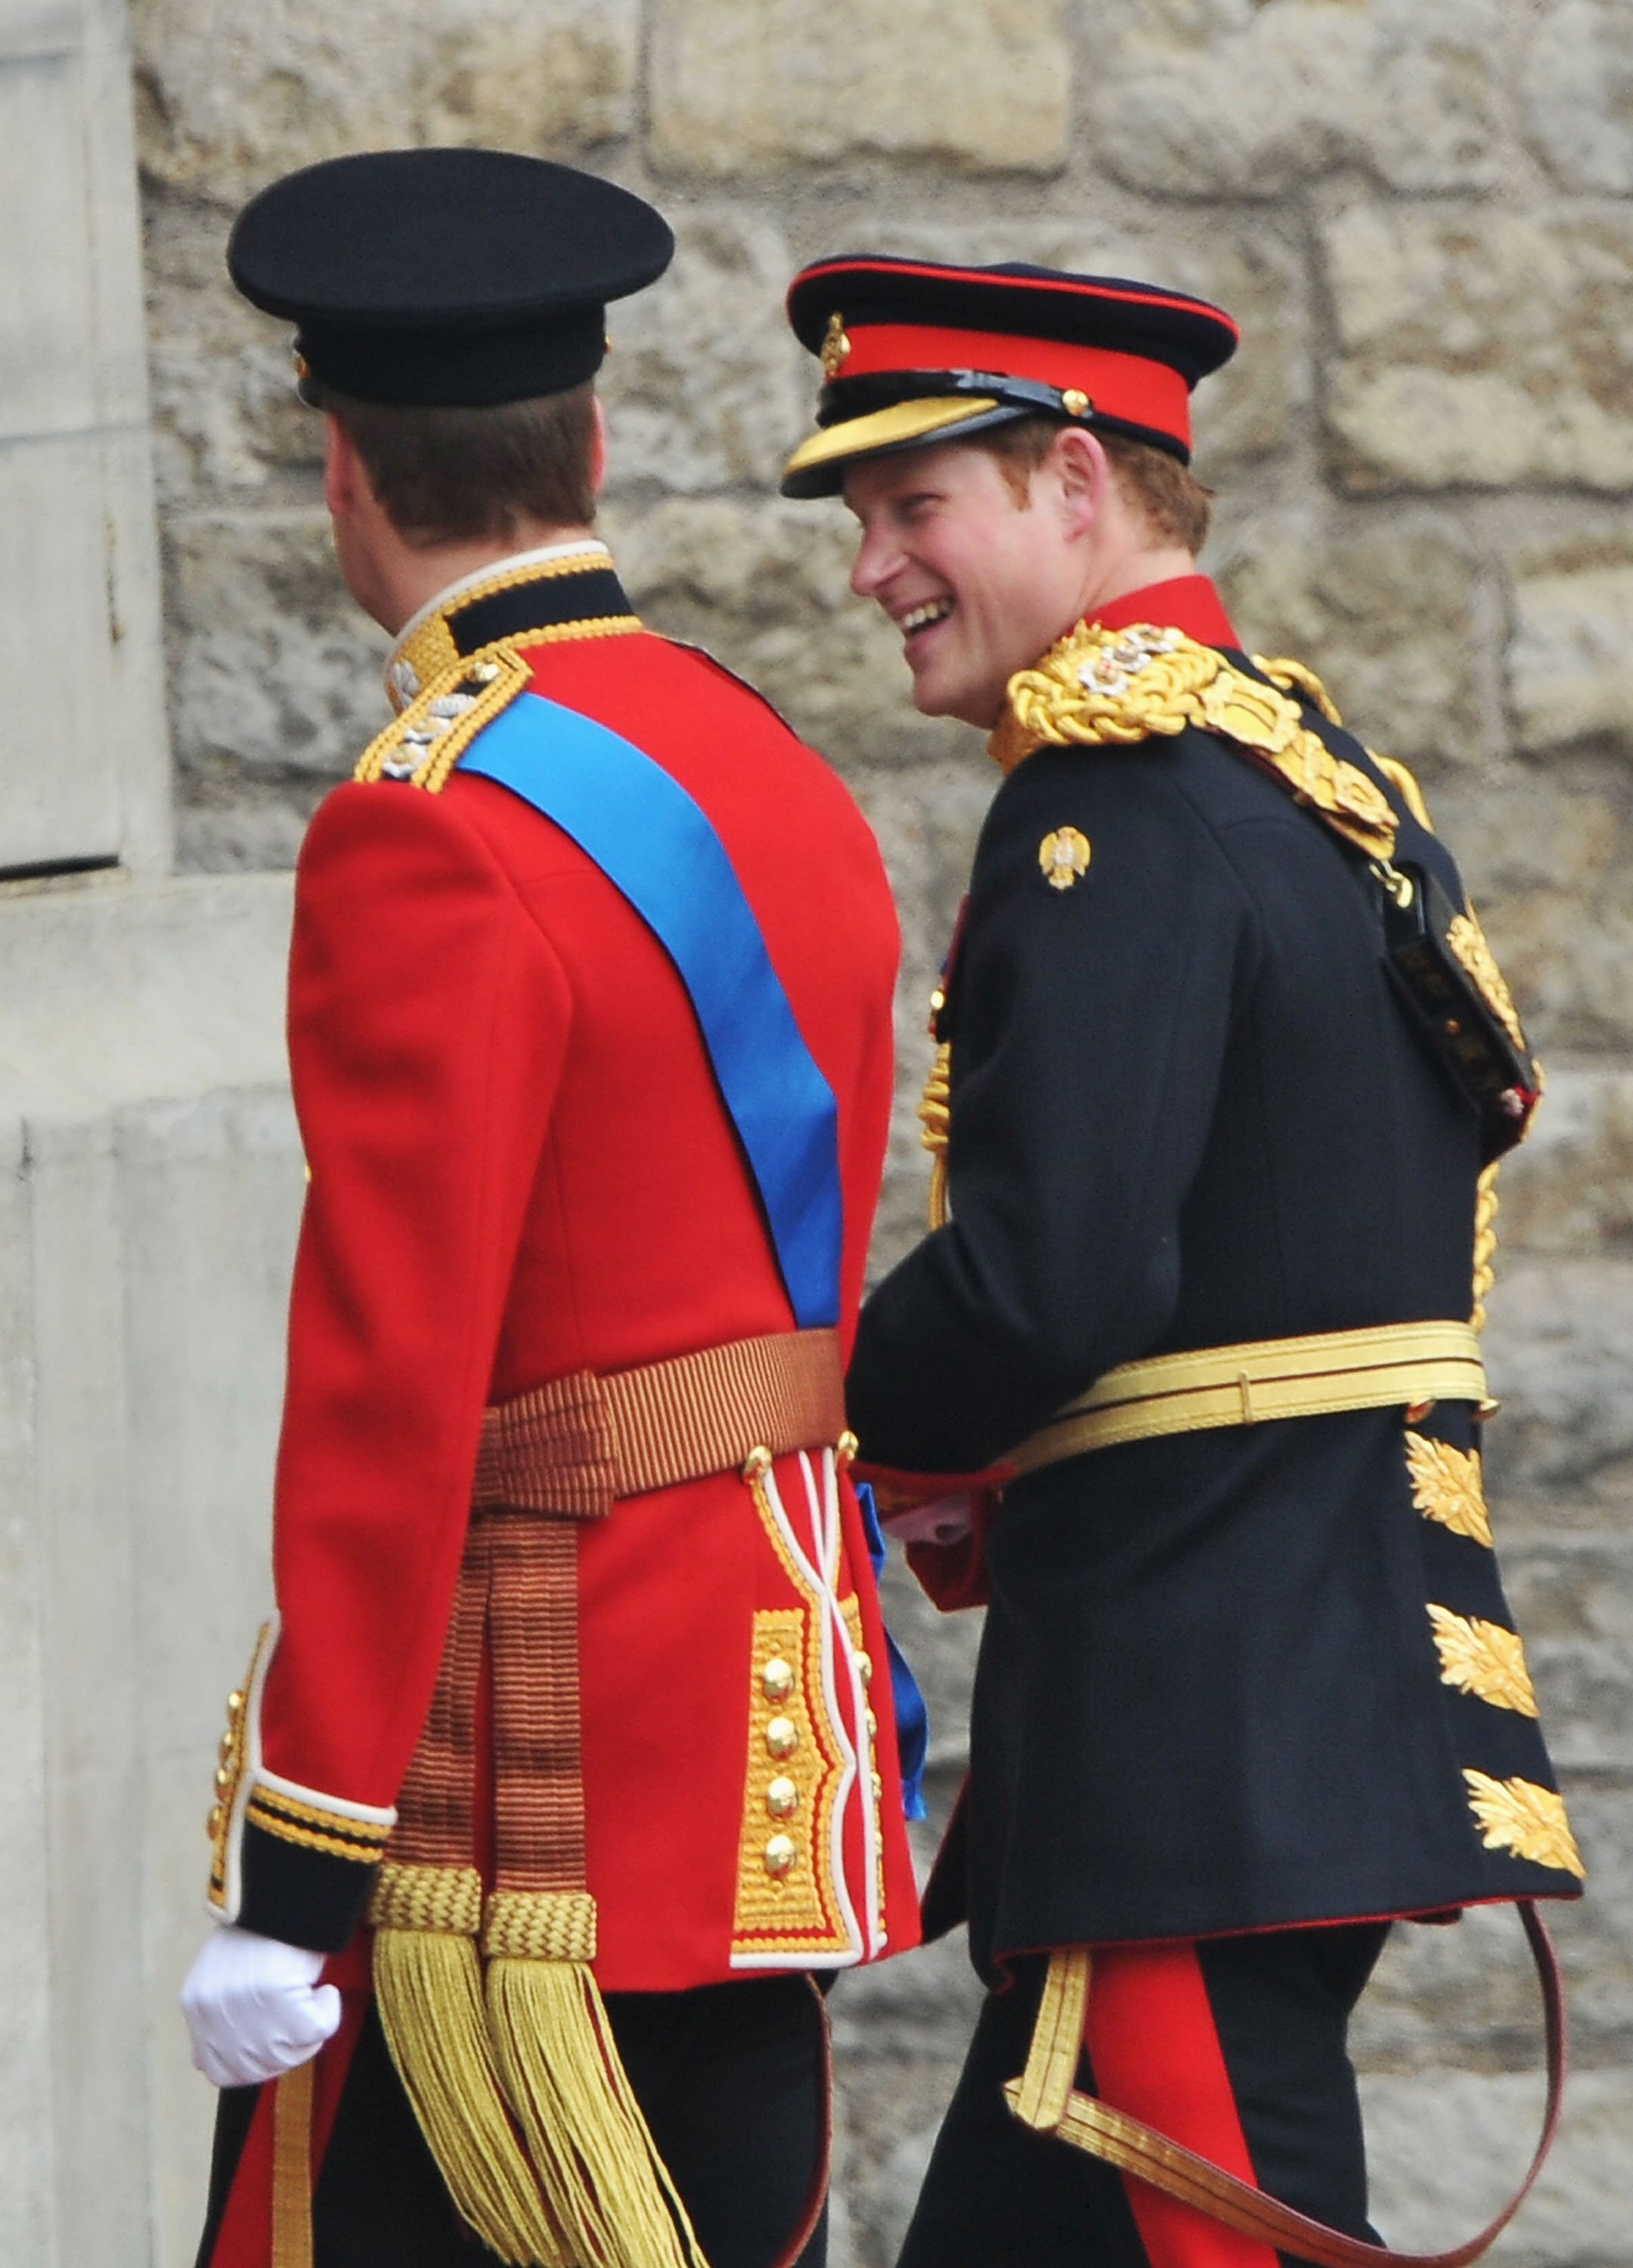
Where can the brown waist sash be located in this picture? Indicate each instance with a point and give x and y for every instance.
(1045, 2096)
(505, 2052)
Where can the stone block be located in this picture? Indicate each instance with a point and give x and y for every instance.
(1565, 951)
(47, 381)
(1448, 2148)
(1559, 1348)
(747, 85)
(228, 427)
(1230, 99)
(275, 679)
(1577, 91)
(63, 792)
(211, 1193)
(1385, 616)
(1485, 349)
(229, 98)
(1569, 660)
(1243, 414)
(1568, 1188)
(764, 587)
(706, 385)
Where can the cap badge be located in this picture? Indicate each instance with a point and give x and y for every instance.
(835, 346)
(1064, 856)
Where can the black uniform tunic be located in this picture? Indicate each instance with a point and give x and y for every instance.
(1188, 1110)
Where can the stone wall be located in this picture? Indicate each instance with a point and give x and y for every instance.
(1422, 210)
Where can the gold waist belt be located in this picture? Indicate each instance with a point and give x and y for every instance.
(574, 1447)
(1376, 1368)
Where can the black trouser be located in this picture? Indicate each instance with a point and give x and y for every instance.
(733, 2079)
(1258, 2023)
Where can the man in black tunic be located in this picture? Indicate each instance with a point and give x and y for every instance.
(1186, 1384)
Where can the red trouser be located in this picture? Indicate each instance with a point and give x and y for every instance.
(1234, 2046)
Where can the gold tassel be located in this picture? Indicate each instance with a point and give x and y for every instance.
(560, 2066)
(427, 1982)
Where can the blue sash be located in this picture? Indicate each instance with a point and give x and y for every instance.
(659, 849)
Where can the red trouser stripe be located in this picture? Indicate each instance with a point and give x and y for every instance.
(1155, 2052)
(245, 2239)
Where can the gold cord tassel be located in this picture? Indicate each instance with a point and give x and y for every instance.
(427, 1982)
(935, 1117)
(560, 2066)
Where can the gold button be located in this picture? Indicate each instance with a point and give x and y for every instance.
(782, 1798)
(845, 1448)
(781, 1852)
(864, 1667)
(776, 1679)
(212, 1825)
(782, 1737)
(227, 1749)
(757, 1463)
(1075, 402)
(223, 1779)
(235, 1704)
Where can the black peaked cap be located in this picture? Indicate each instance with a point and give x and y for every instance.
(1015, 299)
(917, 351)
(460, 277)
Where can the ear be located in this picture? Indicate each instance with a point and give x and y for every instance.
(1083, 477)
(342, 469)
(598, 446)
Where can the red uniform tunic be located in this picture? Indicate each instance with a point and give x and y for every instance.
(521, 1168)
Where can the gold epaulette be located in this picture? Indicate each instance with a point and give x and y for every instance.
(421, 747)
(1101, 688)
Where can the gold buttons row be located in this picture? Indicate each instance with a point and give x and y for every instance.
(226, 1769)
(777, 1682)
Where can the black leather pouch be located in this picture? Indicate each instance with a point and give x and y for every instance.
(1464, 1031)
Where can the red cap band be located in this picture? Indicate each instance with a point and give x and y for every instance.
(1122, 385)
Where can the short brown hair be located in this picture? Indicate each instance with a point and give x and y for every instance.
(1172, 501)
(450, 476)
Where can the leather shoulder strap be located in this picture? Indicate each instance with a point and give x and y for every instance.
(1135, 2148)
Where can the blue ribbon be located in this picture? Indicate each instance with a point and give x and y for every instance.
(659, 848)
(912, 1716)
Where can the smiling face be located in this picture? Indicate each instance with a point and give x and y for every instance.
(979, 582)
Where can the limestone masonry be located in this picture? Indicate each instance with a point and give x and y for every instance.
(1422, 211)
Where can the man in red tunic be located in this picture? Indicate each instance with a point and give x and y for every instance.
(563, 1773)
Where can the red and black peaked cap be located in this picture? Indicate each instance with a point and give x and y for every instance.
(459, 278)
(913, 352)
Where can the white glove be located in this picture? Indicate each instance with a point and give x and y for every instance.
(254, 2007)
(945, 1519)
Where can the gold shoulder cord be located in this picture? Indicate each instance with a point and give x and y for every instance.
(421, 747)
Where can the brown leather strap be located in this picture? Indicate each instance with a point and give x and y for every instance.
(1135, 2148)
(572, 1447)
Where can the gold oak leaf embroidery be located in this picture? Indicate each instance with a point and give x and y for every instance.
(1467, 941)
(1109, 688)
(1446, 1487)
(1482, 1659)
(1517, 1815)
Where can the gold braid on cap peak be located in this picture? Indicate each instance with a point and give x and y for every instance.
(1100, 688)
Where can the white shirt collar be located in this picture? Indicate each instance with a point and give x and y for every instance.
(397, 671)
